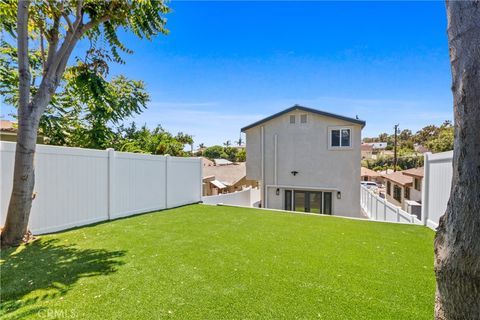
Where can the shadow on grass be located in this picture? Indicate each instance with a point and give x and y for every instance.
(51, 268)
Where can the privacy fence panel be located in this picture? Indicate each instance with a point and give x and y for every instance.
(138, 184)
(76, 186)
(184, 181)
(436, 186)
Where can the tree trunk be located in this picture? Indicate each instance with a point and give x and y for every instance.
(23, 176)
(457, 242)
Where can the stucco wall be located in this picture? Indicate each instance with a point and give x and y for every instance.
(303, 147)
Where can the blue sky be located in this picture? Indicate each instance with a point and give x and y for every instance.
(227, 64)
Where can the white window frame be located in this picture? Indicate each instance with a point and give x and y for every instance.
(329, 142)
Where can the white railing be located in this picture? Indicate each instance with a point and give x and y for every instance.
(245, 198)
(437, 183)
(377, 208)
(75, 187)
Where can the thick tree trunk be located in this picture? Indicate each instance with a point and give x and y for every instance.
(457, 242)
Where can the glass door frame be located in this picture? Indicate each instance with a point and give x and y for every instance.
(291, 205)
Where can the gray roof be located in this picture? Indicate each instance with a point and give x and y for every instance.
(297, 107)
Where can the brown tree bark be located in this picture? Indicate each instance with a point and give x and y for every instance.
(457, 242)
(23, 176)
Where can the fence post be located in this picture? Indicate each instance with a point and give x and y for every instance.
(111, 182)
(384, 210)
(371, 203)
(425, 187)
(201, 179)
(398, 214)
(376, 209)
(167, 157)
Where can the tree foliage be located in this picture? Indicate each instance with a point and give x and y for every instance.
(435, 138)
(156, 141)
(233, 154)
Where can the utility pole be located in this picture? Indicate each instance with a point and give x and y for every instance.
(395, 150)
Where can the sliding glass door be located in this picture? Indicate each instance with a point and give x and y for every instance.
(309, 201)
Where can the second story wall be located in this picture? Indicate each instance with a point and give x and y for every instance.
(304, 147)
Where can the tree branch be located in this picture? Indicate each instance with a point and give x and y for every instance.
(89, 25)
(67, 19)
(23, 63)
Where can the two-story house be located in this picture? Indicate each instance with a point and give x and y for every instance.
(306, 160)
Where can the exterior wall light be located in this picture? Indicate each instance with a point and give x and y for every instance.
(277, 192)
(339, 195)
(294, 173)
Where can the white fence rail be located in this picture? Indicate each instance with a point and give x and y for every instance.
(379, 209)
(437, 183)
(246, 198)
(76, 186)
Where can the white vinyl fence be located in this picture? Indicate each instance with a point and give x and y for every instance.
(437, 183)
(245, 198)
(379, 209)
(76, 186)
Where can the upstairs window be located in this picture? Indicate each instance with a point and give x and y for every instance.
(292, 118)
(303, 118)
(340, 138)
(389, 188)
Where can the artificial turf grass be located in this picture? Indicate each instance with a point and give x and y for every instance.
(207, 262)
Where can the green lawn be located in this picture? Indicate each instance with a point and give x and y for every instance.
(206, 262)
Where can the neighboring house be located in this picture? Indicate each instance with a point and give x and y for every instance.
(367, 151)
(377, 149)
(8, 132)
(370, 175)
(377, 146)
(225, 179)
(414, 205)
(397, 188)
(306, 160)
(404, 189)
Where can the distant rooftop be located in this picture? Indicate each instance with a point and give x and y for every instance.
(222, 162)
(399, 178)
(415, 172)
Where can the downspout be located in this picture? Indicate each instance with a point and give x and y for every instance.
(262, 145)
(275, 176)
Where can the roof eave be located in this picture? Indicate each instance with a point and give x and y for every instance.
(298, 107)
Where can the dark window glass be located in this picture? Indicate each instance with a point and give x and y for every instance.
(335, 138)
(288, 200)
(292, 119)
(300, 202)
(345, 137)
(327, 203)
(303, 118)
(315, 202)
(407, 193)
(397, 193)
(389, 188)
